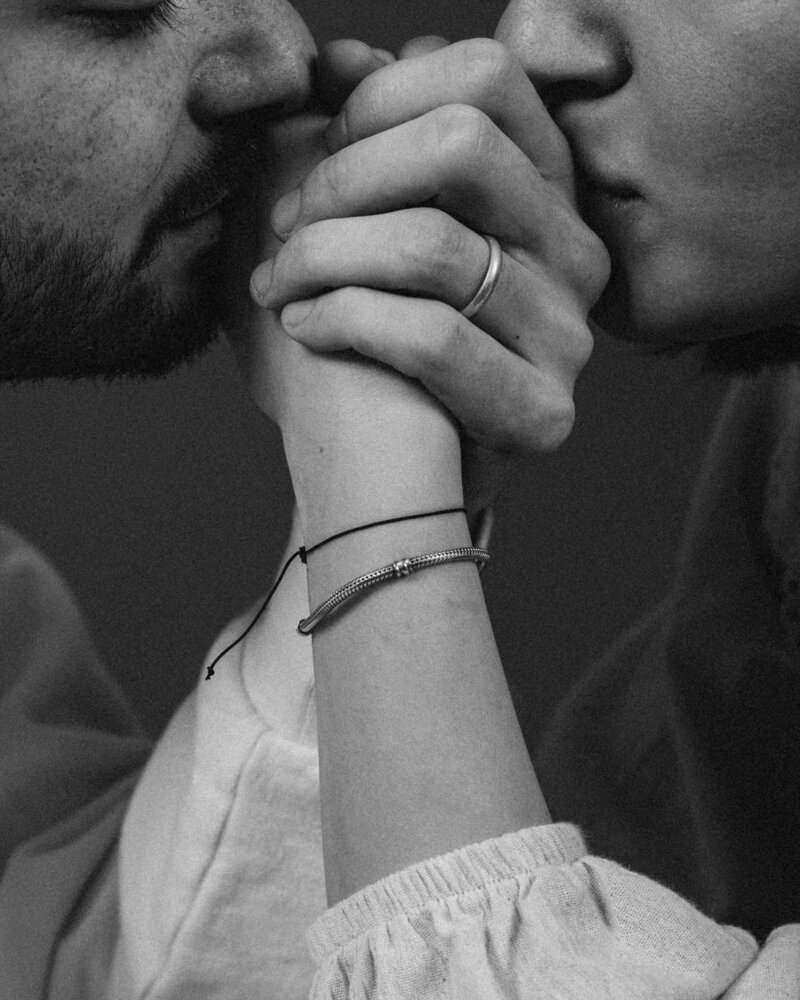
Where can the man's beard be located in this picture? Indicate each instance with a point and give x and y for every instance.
(72, 306)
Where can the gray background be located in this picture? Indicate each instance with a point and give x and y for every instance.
(166, 505)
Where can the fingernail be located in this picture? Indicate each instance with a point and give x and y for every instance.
(284, 214)
(261, 282)
(383, 56)
(297, 312)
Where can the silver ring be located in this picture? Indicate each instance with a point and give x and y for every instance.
(489, 282)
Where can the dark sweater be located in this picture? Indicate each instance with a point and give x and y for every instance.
(679, 753)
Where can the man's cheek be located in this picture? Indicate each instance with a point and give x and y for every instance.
(96, 149)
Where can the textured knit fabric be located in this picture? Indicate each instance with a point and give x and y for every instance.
(195, 869)
(529, 915)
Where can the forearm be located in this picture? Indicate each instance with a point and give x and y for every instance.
(420, 748)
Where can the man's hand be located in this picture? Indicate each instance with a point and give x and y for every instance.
(361, 440)
(383, 244)
(364, 442)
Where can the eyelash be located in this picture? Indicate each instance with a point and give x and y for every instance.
(134, 22)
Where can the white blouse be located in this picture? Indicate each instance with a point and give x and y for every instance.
(199, 873)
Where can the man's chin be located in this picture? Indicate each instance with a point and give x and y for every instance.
(119, 347)
(72, 309)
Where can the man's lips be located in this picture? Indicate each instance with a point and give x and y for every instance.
(182, 221)
(188, 211)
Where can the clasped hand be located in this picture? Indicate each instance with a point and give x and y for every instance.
(376, 246)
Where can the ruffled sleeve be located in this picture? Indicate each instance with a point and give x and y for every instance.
(532, 915)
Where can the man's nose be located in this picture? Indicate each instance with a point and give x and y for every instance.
(570, 49)
(257, 54)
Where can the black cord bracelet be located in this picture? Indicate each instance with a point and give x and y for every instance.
(303, 553)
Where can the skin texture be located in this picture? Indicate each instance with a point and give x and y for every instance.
(409, 687)
(374, 444)
(695, 107)
(428, 154)
(110, 141)
(677, 108)
(411, 675)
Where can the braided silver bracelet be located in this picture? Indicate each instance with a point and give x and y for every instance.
(394, 571)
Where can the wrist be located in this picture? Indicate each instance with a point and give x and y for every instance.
(380, 491)
(403, 459)
(375, 546)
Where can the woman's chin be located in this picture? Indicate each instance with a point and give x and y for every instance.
(670, 311)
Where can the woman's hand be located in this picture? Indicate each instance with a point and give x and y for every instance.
(383, 244)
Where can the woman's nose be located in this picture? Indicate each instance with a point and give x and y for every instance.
(257, 55)
(570, 49)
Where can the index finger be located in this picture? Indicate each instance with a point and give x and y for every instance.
(479, 72)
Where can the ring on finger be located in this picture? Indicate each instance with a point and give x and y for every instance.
(490, 278)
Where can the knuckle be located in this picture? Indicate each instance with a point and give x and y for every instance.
(334, 312)
(589, 262)
(301, 251)
(436, 246)
(594, 263)
(574, 341)
(339, 304)
(465, 133)
(333, 175)
(576, 346)
(541, 419)
(443, 342)
(489, 64)
(583, 345)
(555, 423)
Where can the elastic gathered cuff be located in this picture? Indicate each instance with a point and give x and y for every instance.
(464, 870)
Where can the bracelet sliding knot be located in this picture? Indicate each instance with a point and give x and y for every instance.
(403, 568)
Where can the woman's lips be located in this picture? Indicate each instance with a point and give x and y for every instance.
(609, 206)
